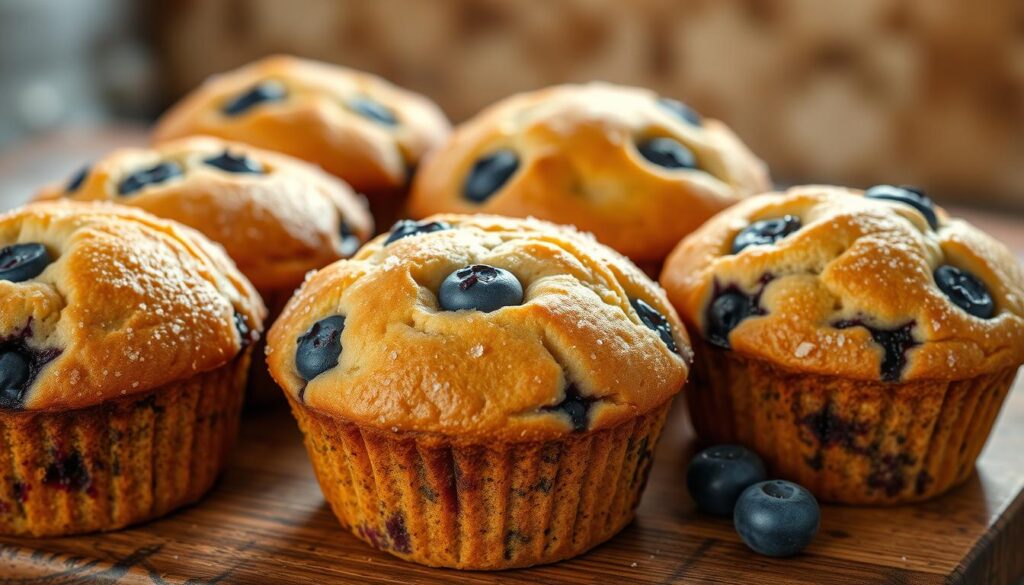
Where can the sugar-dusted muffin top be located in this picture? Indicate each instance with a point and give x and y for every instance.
(480, 326)
(355, 125)
(101, 301)
(882, 285)
(277, 217)
(637, 170)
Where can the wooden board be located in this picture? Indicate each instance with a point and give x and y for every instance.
(266, 522)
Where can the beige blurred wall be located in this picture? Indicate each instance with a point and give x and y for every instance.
(914, 91)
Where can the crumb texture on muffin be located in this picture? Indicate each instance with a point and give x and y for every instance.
(876, 286)
(638, 171)
(590, 342)
(355, 125)
(239, 196)
(113, 302)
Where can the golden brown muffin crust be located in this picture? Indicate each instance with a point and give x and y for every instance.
(579, 165)
(855, 260)
(408, 365)
(276, 225)
(129, 303)
(316, 120)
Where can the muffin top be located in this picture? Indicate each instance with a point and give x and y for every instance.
(880, 285)
(637, 170)
(276, 216)
(480, 326)
(355, 125)
(101, 301)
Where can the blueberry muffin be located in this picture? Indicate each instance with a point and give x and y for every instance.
(480, 392)
(124, 347)
(277, 217)
(637, 170)
(861, 343)
(355, 125)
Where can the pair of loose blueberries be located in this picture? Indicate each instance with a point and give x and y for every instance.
(489, 174)
(773, 517)
(477, 287)
(167, 170)
(274, 91)
(731, 306)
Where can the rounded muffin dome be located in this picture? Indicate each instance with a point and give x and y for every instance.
(239, 196)
(355, 125)
(880, 285)
(94, 295)
(638, 170)
(480, 326)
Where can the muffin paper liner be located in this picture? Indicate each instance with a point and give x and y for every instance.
(118, 463)
(848, 441)
(425, 498)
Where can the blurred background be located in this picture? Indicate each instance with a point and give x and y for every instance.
(901, 91)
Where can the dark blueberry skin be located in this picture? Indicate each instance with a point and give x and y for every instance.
(244, 331)
(895, 345)
(226, 161)
(373, 110)
(317, 350)
(480, 287)
(14, 376)
(407, 227)
(267, 91)
(966, 291)
(349, 241)
(765, 232)
(576, 407)
(776, 518)
(77, 179)
(21, 262)
(134, 182)
(656, 322)
(906, 195)
(489, 175)
(723, 315)
(718, 475)
(681, 111)
(667, 153)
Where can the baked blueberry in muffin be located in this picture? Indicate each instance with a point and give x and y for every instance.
(480, 375)
(124, 348)
(861, 343)
(638, 170)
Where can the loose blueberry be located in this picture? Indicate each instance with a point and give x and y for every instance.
(966, 291)
(718, 475)
(490, 174)
(668, 153)
(267, 91)
(77, 179)
(776, 518)
(21, 262)
(373, 110)
(14, 376)
(656, 322)
(906, 195)
(164, 171)
(226, 161)
(723, 315)
(895, 345)
(317, 349)
(349, 241)
(576, 407)
(765, 232)
(681, 110)
(406, 227)
(480, 288)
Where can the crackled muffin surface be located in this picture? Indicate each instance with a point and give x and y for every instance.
(101, 301)
(879, 285)
(480, 327)
(638, 170)
(355, 125)
(277, 217)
